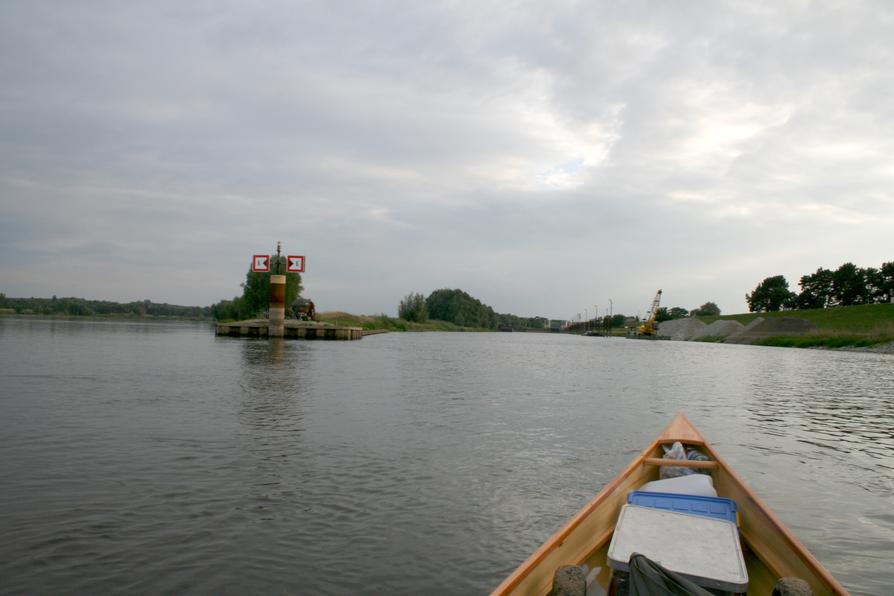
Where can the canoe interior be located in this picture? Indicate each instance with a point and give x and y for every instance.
(770, 550)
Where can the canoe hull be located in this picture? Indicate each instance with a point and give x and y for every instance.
(771, 550)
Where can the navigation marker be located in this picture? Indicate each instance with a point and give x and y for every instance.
(295, 264)
(260, 263)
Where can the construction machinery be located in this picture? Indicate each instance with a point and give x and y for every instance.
(650, 326)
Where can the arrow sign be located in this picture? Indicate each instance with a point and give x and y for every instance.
(295, 264)
(260, 263)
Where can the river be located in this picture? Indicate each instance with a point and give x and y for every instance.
(154, 457)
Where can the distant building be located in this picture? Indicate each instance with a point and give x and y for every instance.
(557, 324)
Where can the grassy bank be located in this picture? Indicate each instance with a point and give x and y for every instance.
(823, 341)
(387, 323)
(845, 326)
(865, 318)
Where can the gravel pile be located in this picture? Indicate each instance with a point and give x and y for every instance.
(754, 323)
(720, 329)
(680, 329)
(772, 327)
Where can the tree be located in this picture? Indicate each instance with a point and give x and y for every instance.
(256, 292)
(816, 289)
(849, 285)
(412, 308)
(228, 310)
(662, 315)
(668, 314)
(886, 282)
(770, 295)
(678, 312)
(873, 281)
(708, 309)
(458, 307)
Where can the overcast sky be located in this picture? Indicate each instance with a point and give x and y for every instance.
(543, 156)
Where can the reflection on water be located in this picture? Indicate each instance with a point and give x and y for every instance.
(271, 379)
(159, 458)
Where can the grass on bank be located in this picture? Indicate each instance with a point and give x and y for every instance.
(863, 325)
(861, 319)
(823, 341)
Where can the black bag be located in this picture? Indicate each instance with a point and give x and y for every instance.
(648, 578)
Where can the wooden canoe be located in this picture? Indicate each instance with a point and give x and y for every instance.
(771, 551)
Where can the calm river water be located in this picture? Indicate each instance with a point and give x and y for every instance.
(156, 458)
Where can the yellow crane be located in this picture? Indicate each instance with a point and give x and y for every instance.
(649, 327)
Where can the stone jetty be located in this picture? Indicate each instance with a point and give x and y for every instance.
(290, 330)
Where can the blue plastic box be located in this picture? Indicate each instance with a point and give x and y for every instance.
(717, 507)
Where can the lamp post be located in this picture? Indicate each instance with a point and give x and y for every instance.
(611, 310)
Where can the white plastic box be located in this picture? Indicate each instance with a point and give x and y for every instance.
(703, 549)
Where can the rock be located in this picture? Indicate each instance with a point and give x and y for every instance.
(569, 580)
(792, 586)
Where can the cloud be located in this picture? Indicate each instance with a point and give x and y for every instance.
(542, 157)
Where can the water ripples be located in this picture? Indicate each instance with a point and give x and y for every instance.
(163, 459)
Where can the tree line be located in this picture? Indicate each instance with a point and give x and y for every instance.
(81, 307)
(458, 307)
(708, 309)
(254, 300)
(848, 285)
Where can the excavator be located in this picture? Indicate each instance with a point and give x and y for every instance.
(649, 326)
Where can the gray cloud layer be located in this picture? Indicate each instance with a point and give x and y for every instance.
(543, 156)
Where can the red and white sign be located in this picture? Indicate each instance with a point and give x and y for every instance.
(295, 263)
(260, 263)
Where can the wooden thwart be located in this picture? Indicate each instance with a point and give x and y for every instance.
(680, 463)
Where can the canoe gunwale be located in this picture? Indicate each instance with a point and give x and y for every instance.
(682, 430)
(756, 545)
(558, 538)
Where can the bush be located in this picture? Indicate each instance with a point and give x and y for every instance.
(413, 308)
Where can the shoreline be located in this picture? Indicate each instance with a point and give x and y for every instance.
(883, 348)
(886, 347)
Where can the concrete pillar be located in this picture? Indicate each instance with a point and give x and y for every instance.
(277, 305)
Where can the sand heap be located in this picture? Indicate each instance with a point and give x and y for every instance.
(680, 329)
